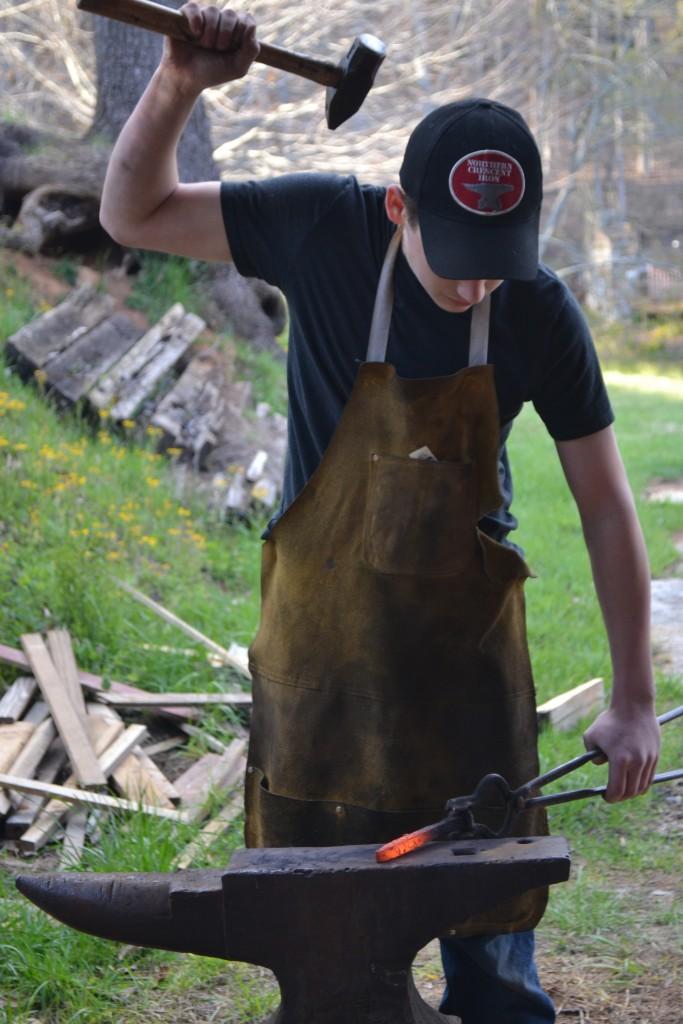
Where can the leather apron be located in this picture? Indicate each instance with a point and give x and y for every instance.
(390, 668)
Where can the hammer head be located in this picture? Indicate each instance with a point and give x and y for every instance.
(358, 70)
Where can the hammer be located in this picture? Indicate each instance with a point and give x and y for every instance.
(348, 83)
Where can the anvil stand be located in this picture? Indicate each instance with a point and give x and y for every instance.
(338, 930)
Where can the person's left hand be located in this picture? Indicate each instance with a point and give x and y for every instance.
(629, 737)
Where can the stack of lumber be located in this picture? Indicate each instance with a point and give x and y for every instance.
(67, 758)
(87, 351)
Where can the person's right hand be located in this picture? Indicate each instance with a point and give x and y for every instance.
(224, 49)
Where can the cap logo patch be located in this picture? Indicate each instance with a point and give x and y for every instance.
(487, 182)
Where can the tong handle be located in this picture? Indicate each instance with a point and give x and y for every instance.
(581, 794)
(577, 762)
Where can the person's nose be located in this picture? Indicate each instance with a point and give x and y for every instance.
(472, 291)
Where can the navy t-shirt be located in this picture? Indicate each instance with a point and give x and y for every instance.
(322, 239)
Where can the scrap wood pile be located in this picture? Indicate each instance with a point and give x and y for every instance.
(64, 748)
(86, 351)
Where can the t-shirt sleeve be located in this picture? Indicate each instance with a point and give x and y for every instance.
(568, 390)
(266, 221)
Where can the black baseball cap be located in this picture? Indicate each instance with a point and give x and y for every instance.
(474, 171)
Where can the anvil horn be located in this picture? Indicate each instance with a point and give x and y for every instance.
(143, 909)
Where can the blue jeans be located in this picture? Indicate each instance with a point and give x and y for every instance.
(492, 979)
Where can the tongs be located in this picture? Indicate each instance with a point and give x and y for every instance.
(494, 793)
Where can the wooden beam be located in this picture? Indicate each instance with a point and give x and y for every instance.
(62, 654)
(16, 699)
(30, 807)
(28, 760)
(567, 709)
(225, 655)
(153, 700)
(212, 772)
(216, 827)
(17, 659)
(85, 797)
(12, 740)
(103, 732)
(69, 725)
(74, 839)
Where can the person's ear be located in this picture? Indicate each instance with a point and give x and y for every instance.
(394, 204)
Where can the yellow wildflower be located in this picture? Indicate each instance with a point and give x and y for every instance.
(174, 452)
(128, 424)
(185, 512)
(154, 431)
(4, 443)
(152, 481)
(29, 485)
(150, 541)
(113, 555)
(174, 531)
(103, 414)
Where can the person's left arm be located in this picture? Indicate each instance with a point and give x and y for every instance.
(627, 732)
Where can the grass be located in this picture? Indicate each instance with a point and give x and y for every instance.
(82, 505)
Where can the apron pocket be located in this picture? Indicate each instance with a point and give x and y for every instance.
(274, 820)
(420, 516)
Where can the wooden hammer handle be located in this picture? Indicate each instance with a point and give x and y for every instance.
(157, 18)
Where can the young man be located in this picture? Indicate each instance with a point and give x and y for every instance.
(390, 668)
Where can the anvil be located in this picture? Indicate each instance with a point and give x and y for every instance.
(339, 930)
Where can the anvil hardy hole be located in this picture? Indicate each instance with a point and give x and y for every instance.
(524, 842)
(462, 851)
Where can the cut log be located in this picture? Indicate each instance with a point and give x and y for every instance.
(73, 372)
(43, 339)
(567, 709)
(17, 698)
(191, 413)
(150, 347)
(71, 728)
(172, 346)
(17, 659)
(163, 746)
(50, 213)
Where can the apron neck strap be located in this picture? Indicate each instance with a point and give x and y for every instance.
(384, 303)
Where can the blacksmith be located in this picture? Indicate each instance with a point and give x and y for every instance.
(391, 668)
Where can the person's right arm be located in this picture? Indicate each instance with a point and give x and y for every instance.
(144, 205)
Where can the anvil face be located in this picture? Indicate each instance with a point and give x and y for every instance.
(339, 930)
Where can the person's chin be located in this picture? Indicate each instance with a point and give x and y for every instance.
(451, 305)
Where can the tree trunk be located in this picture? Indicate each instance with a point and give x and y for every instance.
(125, 61)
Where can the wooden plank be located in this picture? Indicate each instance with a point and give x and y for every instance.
(62, 654)
(84, 797)
(208, 774)
(227, 657)
(138, 778)
(70, 727)
(219, 824)
(17, 698)
(104, 728)
(176, 343)
(43, 339)
(17, 659)
(128, 368)
(29, 807)
(74, 839)
(26, 763)
(12, 739)
(163, 746)
(73, 372)
(567, 709)
(121, 748)
(153, 700)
